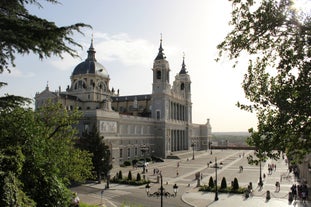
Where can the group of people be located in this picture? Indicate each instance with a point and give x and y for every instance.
(299, 191)
(271, 168)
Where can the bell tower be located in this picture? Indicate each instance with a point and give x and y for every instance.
(161, 73)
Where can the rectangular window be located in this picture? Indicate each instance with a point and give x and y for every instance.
(121, 153)
(86, 128)
(158, 115)
(128, 152)
(136, 151)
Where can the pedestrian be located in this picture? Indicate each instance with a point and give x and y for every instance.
(75, 200)
(277, 186)
(303, 196)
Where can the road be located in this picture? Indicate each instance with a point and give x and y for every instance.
(185, 179)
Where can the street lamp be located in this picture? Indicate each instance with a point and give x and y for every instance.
(192, 145)
(161, 191)
(216, 190)
(260, 178)
(144, 149)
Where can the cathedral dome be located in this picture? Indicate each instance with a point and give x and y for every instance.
(90, 65)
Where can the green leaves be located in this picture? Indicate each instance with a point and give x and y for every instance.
(23, 33)
(38, 148)
(277, 39)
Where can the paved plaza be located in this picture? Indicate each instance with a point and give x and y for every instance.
(182, 172)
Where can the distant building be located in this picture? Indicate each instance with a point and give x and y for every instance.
(160, 122)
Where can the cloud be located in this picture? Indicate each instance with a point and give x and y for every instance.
(124, 49)
(116, 48)
(16, 73)
(65, 64)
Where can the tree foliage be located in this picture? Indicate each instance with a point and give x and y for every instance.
(22, 33)
(277, 38)
(211, 182)
(235, 184)
(223, 184)
(37, 154)
(101, 159)
(38, 158)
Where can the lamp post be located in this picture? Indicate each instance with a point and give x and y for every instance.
(260, 178)
(144, 149)
(216, 190)
(161, 191)
(192, 145)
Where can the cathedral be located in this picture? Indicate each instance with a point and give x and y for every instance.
(136, 126)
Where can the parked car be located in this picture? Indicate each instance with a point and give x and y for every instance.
(220, 165)
(142, 164)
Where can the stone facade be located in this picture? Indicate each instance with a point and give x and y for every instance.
(160, 122)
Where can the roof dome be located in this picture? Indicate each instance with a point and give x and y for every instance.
(90, 65)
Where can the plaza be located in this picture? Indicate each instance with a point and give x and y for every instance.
(188, 192)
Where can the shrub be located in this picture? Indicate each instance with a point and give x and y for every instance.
(120, 175)
(235, 185)
(129, 176)
(138, 177)
(134, 162)
(223, 184)
(156, 159)
(211, 183)
(127, 163)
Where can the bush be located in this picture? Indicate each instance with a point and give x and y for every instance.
(211, 183)
(129, 176)
(235, 185)
(134, 162)
(127, 163)
(130, 182)
(120, 175)
(223, 184)
(138, 177)
(156, 159)
(206, 188)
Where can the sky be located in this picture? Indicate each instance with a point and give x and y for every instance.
(126, 35)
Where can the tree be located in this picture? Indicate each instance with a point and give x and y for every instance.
(138, 177)
(277, 39)
(120, 177)
(235, 185)
(23, 33)
(211, 183)
(129, 176)
(38, 158)
(101, 159)
(223, 184)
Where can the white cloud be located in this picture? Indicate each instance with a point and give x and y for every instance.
(116, 48)
(15, 72)
(65, 64)
(124, 49)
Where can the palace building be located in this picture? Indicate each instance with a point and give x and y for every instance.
(156, 124)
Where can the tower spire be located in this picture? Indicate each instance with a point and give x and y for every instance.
(160, 55)
(183, 66)
(91, 52)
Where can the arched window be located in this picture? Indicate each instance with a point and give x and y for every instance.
(158, 75)
(182, 86)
